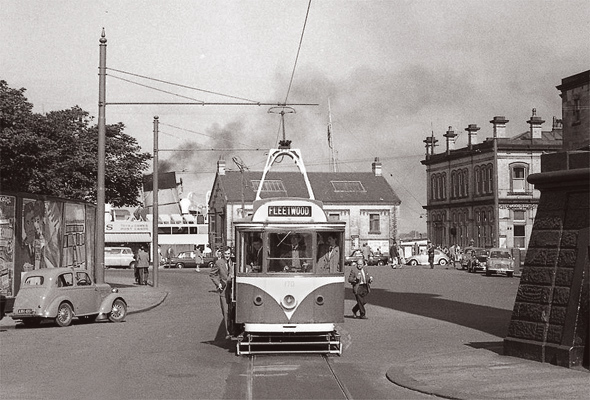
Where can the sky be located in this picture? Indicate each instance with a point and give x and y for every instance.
(392, 72)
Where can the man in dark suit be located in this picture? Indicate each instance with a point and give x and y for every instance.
(221, 274)
(255, 256)
(295, 258)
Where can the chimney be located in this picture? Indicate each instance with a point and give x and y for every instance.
(451, 137)
(499, 123)
(535, 123)
(472, 134)
(377, 167)
(430, 144)
(221, 166)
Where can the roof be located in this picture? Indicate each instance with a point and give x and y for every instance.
(550, 141)
(372, 189)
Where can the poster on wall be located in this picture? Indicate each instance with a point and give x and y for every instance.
(41, 234)
(74, 241)
(7, 237)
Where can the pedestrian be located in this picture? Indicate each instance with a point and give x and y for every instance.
(169, 256)
(361, 286)
(394, 254)
(198, 258)
(221, 274)
(366, 251)
(453, 254)
(142, 264)
(430, 251)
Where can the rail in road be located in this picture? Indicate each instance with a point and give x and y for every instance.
(289, 376)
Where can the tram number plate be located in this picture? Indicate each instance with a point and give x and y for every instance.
(289, 284)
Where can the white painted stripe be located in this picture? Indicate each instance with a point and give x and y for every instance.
(288, 328)
(297, 286)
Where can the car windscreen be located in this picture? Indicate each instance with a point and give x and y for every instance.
(500, 254)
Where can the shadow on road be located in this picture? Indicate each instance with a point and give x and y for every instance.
(491, 320)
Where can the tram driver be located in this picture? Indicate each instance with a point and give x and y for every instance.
(255, 255)
(295, 258)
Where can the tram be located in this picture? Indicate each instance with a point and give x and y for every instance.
(288, 288)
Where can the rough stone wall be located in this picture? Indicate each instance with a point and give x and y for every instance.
(550, 317)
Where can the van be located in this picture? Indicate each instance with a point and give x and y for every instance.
(119, 257)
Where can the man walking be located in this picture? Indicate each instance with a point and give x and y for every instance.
(221, 274)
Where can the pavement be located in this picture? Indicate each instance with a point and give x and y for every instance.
(474, 373)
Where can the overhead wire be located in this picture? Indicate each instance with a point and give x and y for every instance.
(298, 51)
(182, 86)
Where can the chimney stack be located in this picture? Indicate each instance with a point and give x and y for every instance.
(221, 166)
(535, 123)
(472, 134)
(499, 123)
(377, 167)
(451, 137)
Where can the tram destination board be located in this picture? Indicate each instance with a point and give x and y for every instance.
(289, 211)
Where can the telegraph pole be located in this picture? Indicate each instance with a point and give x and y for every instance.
(156, 254)
(100, 190)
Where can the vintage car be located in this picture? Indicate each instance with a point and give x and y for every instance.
(119, 257)
(474, 259)
(186, 259)
(61, 294)
(374, 258)
(500, 260)
(440, 258)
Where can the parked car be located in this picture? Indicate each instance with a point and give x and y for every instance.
(119, 257)
(62, 294)
(186, 259)
(500, 260)
(374, 259)
(474, 259)
(440, 258)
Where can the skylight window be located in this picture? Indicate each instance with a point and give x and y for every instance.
(348, 186)
(269, 185)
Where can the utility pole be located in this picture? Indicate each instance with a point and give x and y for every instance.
(100, 190)
(155, 252)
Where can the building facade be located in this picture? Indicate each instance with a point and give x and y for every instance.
(365, 200)
(480, 192)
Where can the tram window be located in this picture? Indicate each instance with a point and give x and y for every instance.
(254, 251)
(329, 258)
(290, 252)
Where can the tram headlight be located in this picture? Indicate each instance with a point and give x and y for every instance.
(319, 300)
(258, 300)
(289, 302)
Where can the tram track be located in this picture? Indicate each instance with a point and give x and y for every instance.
(293, 376)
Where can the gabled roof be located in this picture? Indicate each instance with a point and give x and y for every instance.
(372, 189)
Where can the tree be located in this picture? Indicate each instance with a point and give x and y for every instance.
(56, 154)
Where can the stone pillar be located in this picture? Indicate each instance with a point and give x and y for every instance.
(550, 317)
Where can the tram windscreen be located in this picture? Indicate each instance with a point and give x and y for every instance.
(291, 252)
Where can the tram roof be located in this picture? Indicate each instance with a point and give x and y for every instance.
(328, 187)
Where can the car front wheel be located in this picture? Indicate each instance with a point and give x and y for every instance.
(65, 314)
(179, 265)
(380, 263)
(118, 311)
(442, 261)
(413, 262)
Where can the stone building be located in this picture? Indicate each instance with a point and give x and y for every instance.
(480, 192)
(365, 200)
(550, 320)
